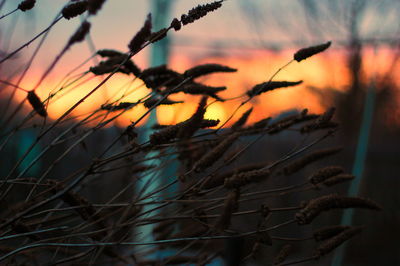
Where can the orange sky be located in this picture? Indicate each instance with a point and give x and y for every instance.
(325, 70)
(253, 69)
(254, 66)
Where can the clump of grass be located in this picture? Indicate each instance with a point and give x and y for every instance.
(58, 218)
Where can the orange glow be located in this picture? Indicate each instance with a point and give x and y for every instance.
(322, 71)
(119, 87)
(257, 68)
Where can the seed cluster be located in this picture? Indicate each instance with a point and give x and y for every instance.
(309, 158)
(305, 53)
(141, 36)
(336, 241)
(74, 9)
(80, 34)
(86, 220)
(271, 85)
(94, 6)
(325, 173)
(199, 12)
(316, 206)
(36, 103)
(26, 5)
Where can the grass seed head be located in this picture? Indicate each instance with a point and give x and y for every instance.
(271, 85)
(310, 51)
(37, 104)
(283, 254)
(194, 122)
(242, 120)
(120, 106)
(289, 121)
(309, 158)
(109, 53)
(176, 24)
(149, 103)
(338, 179)
(323, 174)
(158, 35)
(257, 126)
(206, 69)
(313, 126)
(332, 243)
(201, 89)
(74, 9)
(209, 123)
(244, 178)
(213, 155)
(80, 34)
(26, 5)
(141, 36)
(328, 232)
(323, 121)
(218, 180)
(114, 61)
(333, 201)
(199, 12)
(230, 206)
(94, 6)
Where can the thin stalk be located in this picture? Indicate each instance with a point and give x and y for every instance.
(31, 41)
(9, 13)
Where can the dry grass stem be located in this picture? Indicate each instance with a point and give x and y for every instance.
(78, 193)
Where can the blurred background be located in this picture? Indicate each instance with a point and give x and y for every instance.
(359, 75)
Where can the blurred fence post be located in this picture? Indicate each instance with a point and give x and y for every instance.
(359, 162)
(160, 10)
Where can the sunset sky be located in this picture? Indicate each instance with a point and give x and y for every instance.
(246, 37)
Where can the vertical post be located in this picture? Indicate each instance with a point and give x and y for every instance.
(160, 50)
(25, 139)
(160, 10)
(359, 162)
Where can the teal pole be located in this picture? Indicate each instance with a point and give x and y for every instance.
(159, 55)
(25, 139)
(359, 163)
